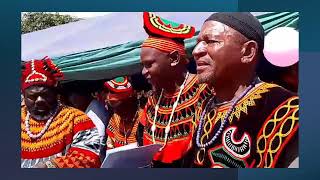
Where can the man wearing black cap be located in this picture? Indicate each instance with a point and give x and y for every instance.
(247, 122)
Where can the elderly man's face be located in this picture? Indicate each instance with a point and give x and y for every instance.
(41, 101)
(217, 53)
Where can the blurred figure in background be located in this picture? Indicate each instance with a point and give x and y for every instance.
(281, 62)
(122, 128)
(287, 77)
(80, 95)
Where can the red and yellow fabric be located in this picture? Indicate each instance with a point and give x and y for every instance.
(166, 35)
(71, 141)
(117, 139)
(165, 45)
(183, 123)
(156, 25)
(272, 141)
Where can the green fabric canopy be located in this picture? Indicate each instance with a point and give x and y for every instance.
(124, 59)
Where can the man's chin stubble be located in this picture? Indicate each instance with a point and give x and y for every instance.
(204, 79)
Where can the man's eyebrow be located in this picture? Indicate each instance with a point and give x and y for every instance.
(37, 92)
(150, 60)
(31, 93)
(210, 36)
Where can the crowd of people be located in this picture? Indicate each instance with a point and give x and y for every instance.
(229, 114)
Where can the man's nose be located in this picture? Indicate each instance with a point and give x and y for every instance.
(144, 71)
(40, 100)
(199, 50)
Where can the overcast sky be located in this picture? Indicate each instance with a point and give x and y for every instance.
(82, 14)
(85, 14)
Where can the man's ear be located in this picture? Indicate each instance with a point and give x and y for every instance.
(249, 51)
(174, 58)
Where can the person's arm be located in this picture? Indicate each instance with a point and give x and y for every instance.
(277, 141)
(110, 143)
(141, 125)
(290, 153)
(84, 150)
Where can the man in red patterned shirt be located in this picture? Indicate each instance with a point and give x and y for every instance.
(53, 135)
(172, 111)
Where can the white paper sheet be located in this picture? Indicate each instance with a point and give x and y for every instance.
(130, 156)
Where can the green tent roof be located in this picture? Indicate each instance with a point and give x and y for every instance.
(124, 59)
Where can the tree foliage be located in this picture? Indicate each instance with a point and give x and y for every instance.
(34, 21)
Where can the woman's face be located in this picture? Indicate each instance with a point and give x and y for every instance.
(115, 100)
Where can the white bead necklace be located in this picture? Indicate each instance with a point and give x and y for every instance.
(167, 129)
(36, 136)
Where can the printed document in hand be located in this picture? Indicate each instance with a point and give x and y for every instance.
(130, 156)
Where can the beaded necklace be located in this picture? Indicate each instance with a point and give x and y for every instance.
(167, 129)
(49, 121)
(223, 123)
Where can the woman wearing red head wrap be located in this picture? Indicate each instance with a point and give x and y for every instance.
(123, 124)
